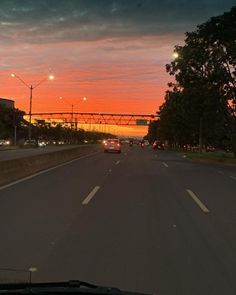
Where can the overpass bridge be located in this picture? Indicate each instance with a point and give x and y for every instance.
(74, 118)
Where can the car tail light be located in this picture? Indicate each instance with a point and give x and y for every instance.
(118, 144)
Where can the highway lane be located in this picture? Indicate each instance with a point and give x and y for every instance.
(140, 229)
(27, 152)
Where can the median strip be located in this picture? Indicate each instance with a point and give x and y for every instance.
(197, 201)
(90, 195)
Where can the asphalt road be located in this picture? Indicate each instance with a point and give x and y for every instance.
(26, 152)
(142, 220)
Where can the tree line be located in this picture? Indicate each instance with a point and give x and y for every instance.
(13, 127)
(200, 105)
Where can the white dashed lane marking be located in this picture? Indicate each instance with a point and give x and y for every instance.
(90, 195)
(197, 201)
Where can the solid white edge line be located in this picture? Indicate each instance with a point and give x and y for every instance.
(90, 195)
(233, 177)
(197, 201)
(118, 162)
(45, 171)
(166, 165)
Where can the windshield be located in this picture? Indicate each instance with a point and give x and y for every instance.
(118, 144)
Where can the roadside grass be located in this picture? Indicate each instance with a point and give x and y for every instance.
(217, 156)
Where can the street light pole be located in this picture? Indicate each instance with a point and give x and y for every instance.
(15, 126)
(72, 116)
(30, 111)
(31, 88)
(72, 111)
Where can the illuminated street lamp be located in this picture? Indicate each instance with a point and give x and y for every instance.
(31, 88)
(175, 55)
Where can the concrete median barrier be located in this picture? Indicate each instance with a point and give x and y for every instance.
(12, 170)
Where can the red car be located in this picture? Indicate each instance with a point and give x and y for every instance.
(112, 145)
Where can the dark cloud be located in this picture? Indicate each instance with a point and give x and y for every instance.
(47, 21)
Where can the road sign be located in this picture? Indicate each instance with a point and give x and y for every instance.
(141, 122)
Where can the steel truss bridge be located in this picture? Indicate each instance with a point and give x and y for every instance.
(96, 118)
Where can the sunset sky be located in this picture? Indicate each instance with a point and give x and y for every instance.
(112, 52)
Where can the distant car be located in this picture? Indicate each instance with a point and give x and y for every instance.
(30, 143)
(42, 143)
(60, 142)
(210, 148)
(4, 142)
(158, 145)
(136, 141)
(112, 145)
